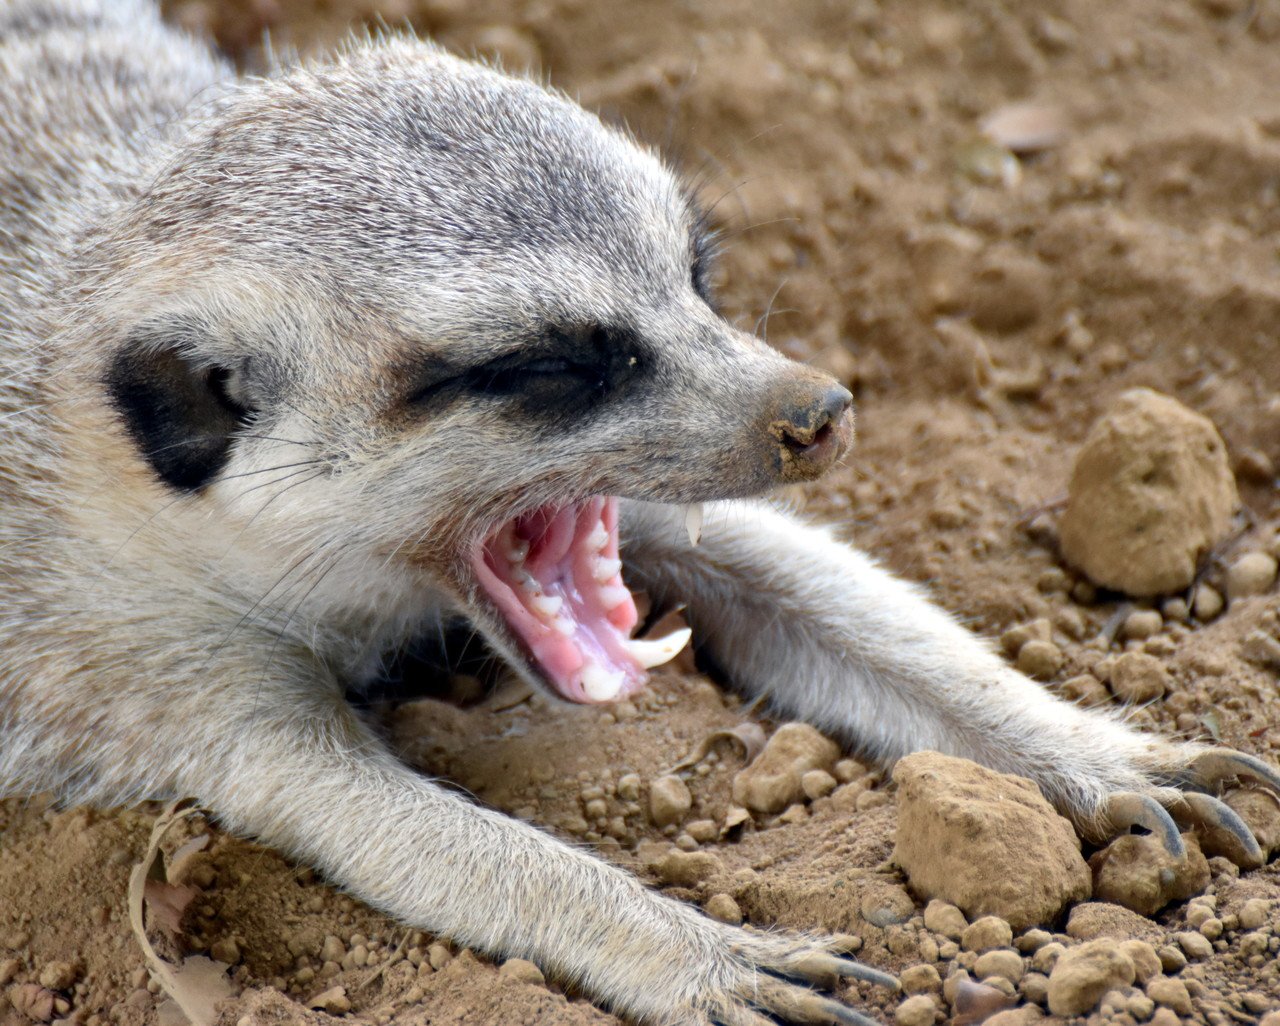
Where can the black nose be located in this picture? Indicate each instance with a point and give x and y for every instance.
(813, 431)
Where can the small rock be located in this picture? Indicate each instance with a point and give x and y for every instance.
(1040, 659)
(984, 841)
(686, 868)
(438, 956)
(1001, 962)
(1027, 1015)
(1135, 871)
(817, 784)
(1083, 975)
(1150, 494)
(1146, 963)
(57, 975)
(520, 969)
(669, 800)
(629, 785)
(1137, 677)
(333, 950)
(9, 968)
(921, 979)
(1254, 914)
(1270, 1019)
(1206, 603)
(1170, 994)
(1034, 987)
(886, 904)
(944, 918)
(772, 781)
(725, 909)
(1251, 574)
(1172, 960)
(1196, 945)
(33, 1001)
(225, 949)
(702, 830)
(986, 934)
(1142, 624)
(334, 1001)
(920, 1010)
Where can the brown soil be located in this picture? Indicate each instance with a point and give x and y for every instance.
(983, 325)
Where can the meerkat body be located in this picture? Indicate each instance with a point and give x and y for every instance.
(299, 369)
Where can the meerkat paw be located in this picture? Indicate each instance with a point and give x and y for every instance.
(1184, 794)
(769, 977)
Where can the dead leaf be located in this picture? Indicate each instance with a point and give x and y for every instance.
(168, 903)
(198, 984)
(749, 735)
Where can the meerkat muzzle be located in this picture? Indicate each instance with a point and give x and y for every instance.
(555, 577)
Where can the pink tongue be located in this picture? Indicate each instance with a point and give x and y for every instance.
(555, 577)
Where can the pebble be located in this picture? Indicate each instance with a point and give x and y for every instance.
(1142, 624)
(1146, 963)
(920, 979)
(1035, 988)
(669, 800)
(1195, 945)
(438, 956)
(57, 975)
(1150, 493)
(523, 970)
(1137, 677)
(1170, 994)
(1032, 941)
(886, 904)
(817, 783)
(944, 918)
(919, 1010)
(1250, 574)
(1001, 962)
(1206, 603)
(773, 780)
(1172, 960)
(334, 1001)
(1084, 974)
(986, 934)
(725, 909)
(1040, 659)
(225, 949)
(1254, 914)
(686, 868)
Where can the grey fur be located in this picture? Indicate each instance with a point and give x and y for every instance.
(306, 280)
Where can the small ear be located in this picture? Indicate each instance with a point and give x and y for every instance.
(177, 412)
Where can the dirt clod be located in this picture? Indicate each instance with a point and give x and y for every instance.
(773, 780)
(1251, 574)
(523, 970)
(1151, 493)
(1137, 677)
(669, 800)
(1083, 975)
(918, 1010)
(986, 842)
(1137, 872)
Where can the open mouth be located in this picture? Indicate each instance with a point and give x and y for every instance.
(555, 577)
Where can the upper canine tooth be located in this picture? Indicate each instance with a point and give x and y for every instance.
(547, 605)
(599, 537)
(654, 652)
(600, 684)
(693, 522)
(606, 569)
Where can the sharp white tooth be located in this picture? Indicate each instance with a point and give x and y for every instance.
(563, 625)
(546, 605)
(655, 652)
(693, 522)
(517, 551)
(600, 684)
(528, 583)
(606, 569)
(599, 537)
(613, 595)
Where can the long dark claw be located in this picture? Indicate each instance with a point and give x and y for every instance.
(1221, 831)
(1212, 768)
(819, 965)
(795, 1004)
(1127, 809)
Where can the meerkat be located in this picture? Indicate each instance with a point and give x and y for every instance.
(297, 369)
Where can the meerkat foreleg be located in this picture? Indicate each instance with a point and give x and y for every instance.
(792, 613)
(298, 770)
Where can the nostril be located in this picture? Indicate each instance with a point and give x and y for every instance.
(813, 428)
(802, 441)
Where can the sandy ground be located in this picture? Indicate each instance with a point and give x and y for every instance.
(984, 310)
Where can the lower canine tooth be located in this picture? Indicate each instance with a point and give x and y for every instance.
(601, 685)
(659, 650)
(546, 605)
(693, 522)
(606, 569)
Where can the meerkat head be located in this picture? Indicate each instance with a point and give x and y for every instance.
(443, 318)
